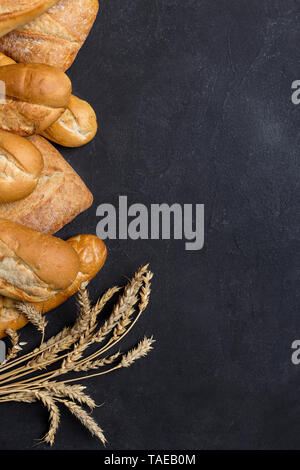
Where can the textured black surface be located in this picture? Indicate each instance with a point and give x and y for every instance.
(194, 104)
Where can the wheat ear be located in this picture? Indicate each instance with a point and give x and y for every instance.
(86, 420)
(54, 415)
(16, 348)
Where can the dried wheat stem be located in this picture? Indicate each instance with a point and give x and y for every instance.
(54, 418)
(65, 338)
(141, 350)
(74, 392)
(126, 301)
(15, 349)
(145, 296)
(35, 317)
(86, 420)
(80, 336)
(93, 365)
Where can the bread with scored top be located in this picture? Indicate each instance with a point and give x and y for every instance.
(76, 126)
(17, 12)
(36, 96)
(21, 164)
(58, 198)
(55, 37)
(34, 266)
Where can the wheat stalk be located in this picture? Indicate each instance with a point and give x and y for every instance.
(93, 365)
(73, 392)
(141, 350)
(54, 415)
(25, 397)
(35, 317)
(16, 348)
(86, 420)
(50, 392)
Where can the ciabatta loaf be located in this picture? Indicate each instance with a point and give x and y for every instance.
(17, 12)
(34, 266)
(36, 96)
(55, 37)
(59, 197)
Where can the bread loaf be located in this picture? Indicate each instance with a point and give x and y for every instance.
(34, 266)
(36, 96)
(76, 127)
(21, 164)
(55, 37)
(18, 12)
(59, 197)
(92, 255)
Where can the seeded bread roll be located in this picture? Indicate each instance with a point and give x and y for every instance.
(34, 266)
(92, 255)
(76, 127)
(36, 96)
(18, 12)
(55, 37)
(21, 164)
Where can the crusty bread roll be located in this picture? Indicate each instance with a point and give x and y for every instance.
(34, 266)
(58, 198)
(36, 96)
(76, 126)
(55, 37)
(92, 255)
(18, 12)
(21, 164)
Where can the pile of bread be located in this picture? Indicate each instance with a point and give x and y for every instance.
(39, 191)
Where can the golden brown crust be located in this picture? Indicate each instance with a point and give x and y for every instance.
(58, 198)
(21, 164)
(76, 126)
(55, 37)
(34, 265)
(36, 96)
(92, 255)
(18, 12)
(5, 60)
(37, 84)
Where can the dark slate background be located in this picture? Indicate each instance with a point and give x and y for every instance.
(194, 104)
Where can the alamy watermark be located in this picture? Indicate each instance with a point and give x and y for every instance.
(2, 92)
(295, 97)
(2, 351)
(157, 222)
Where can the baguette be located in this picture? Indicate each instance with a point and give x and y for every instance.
(21, 164)
(34, 266)
(76, 127)
(59, 197)
(55, 37)
(36, 96)
(92, 255)
(18, 12)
